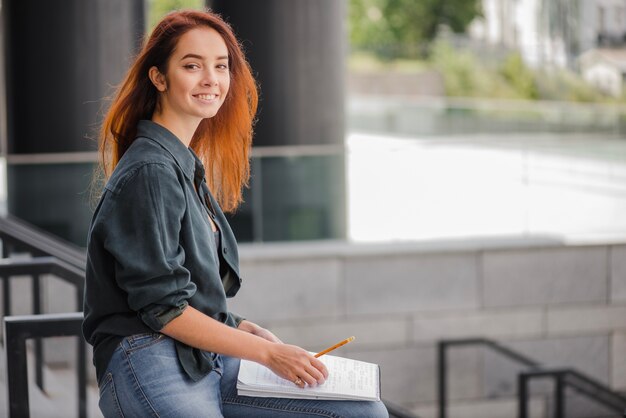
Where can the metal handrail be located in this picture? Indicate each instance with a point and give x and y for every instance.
(574, 377)
(563, 377)
(17, 329)
(18, 234)
(442, 348)
(35, 267)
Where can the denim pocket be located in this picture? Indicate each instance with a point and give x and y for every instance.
(139, 341)
(108, 403)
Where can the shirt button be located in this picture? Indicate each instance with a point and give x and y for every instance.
(225, 250)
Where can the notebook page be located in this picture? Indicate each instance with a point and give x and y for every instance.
(346, 377)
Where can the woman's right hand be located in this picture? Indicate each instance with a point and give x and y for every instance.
(292, 363)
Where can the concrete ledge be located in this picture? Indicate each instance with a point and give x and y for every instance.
(403, 284)
(559, 300)
(289, 289)
(618, 365)
(516, 323)
(342, 248)
(591, 319)
(331, 248)
(371, 332)
(542, 276)
(618, 273)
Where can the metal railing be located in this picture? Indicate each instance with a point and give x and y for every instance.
(20, 235)
(442, 363)
(35, 268)
(56, 257)
(563, 378)
(18, 329)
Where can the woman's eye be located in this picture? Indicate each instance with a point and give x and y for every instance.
(222, 66)
(192, 66)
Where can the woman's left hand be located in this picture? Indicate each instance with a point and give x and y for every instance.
(259, 331)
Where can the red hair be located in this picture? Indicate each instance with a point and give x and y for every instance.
(222, 142)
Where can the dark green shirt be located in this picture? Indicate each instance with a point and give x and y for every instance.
(151, 253)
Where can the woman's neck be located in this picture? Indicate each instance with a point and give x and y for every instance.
(182, 129)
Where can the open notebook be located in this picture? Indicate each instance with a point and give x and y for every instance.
(348, 380)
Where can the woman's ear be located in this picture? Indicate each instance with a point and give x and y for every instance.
(157, 79)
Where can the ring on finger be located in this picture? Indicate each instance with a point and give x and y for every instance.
(298, 381)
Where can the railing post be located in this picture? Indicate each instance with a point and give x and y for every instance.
(17, 373)
(6, 250)
(522, 394)
(79, 298)
(38, 342)
(559, 389)
(6, 295)
(442, 372)
(81, 377)
(20, 328)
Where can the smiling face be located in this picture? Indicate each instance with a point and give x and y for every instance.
(197, 78)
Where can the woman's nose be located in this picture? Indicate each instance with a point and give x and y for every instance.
(209, 78)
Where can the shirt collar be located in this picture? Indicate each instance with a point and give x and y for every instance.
(198, 166)
(184, 157)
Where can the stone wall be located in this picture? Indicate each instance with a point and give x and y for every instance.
(562, 304)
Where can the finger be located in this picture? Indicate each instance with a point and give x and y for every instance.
(310, 380)
(316, 374)
(271, 337)
(320, 366)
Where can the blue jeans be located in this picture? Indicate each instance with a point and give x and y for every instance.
(144, 379)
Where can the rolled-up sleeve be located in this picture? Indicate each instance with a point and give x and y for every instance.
(142, 233)
(235, 319)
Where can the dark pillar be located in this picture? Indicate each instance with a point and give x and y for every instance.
(62, 58)
(296, 49)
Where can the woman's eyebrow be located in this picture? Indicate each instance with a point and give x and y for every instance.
(196, 56)
(200, 57)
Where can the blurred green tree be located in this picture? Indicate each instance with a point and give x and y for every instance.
(519, 76)
(405, 28)
(158, 8)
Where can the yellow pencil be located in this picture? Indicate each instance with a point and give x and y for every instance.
(329, 349)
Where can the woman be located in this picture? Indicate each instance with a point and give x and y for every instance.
(161, 257)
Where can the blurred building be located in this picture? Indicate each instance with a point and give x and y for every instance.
(605, 69)
(552, 32)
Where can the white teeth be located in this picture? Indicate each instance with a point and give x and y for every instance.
(206, 96)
